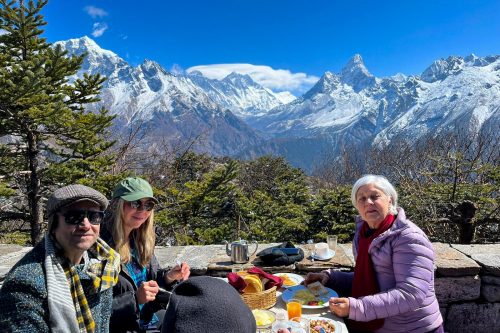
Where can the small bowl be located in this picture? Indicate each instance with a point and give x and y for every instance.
(271, 315)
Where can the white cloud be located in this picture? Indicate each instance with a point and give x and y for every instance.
(274, 79)
(95, 12)
(98, 29)
(177, 69)
(3, 32)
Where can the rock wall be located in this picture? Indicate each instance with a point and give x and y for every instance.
(468, 286)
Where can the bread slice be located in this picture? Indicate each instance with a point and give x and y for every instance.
(317, 289)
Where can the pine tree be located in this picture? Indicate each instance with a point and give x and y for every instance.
(48, 136)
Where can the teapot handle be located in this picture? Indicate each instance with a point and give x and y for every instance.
(256, 247)
(228, 251)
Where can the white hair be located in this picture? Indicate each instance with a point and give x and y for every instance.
(381, 183)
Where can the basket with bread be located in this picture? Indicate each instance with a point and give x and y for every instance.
(257, 288)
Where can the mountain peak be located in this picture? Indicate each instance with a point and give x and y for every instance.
(325, 85)
(356, 60)
(151, 68)
(239, 79)
(151, 63)
(441, 69)
(196, 73)
(356, 75)
(84, 44)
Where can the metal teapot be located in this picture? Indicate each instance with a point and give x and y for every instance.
(239, 251)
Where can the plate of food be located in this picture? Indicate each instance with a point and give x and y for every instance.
(290, 279)
(327, 324)
(306, 298)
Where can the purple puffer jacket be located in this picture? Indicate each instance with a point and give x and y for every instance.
(404, 263)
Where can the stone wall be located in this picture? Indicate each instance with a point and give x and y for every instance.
(467, 277)
(468, 286)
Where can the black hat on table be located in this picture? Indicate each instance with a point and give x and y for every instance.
(207, 304)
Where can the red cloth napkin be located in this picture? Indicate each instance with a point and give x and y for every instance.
(236, 281)
(269, 280)
(273, 280)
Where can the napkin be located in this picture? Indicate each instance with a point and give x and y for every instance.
(273, 280)
(236, 281)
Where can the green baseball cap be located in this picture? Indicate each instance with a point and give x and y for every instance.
(132, 189)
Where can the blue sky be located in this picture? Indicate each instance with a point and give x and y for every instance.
(285, 44)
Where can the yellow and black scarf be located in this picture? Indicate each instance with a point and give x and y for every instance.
(103, 269)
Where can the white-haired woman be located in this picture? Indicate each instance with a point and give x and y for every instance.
(130, 231)
(392, 286)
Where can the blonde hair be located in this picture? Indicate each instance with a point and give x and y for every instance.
(144, 237)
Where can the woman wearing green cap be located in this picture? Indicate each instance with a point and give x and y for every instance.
(130, 230)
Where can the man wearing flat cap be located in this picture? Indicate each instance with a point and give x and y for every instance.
(64, 284)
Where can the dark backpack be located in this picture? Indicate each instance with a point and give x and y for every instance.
(273, 256)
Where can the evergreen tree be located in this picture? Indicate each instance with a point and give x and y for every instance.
(274, 200)
(203, 209)
(49, 137)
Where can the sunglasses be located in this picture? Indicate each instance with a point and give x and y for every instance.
(139, 205)
(75, 217)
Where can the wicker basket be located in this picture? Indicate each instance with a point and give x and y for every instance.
(263, 300)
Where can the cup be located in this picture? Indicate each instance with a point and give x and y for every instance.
(321, 250)
(332, 242)
(294, 309)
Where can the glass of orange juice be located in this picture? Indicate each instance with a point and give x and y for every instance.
(294, 309)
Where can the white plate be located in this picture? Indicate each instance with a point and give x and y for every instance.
(294, 277)
(330, 255)
(338, 327)
(289, 294)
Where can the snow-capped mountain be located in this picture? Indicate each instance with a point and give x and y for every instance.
(354, 107)
(172, 107)
(240, 94)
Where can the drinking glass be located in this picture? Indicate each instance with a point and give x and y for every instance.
(294, 309)
(310, 246)
(236, 268)
(299, 325)
(332, 242)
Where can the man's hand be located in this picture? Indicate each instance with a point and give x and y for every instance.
(147, 291)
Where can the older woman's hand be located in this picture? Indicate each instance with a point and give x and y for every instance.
(147, 291)
(313, 277)
(179, 272)
(339, 306)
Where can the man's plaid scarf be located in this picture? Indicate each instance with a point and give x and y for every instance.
(68, 307)
(104, 274)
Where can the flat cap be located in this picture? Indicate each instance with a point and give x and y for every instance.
(71, 194)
